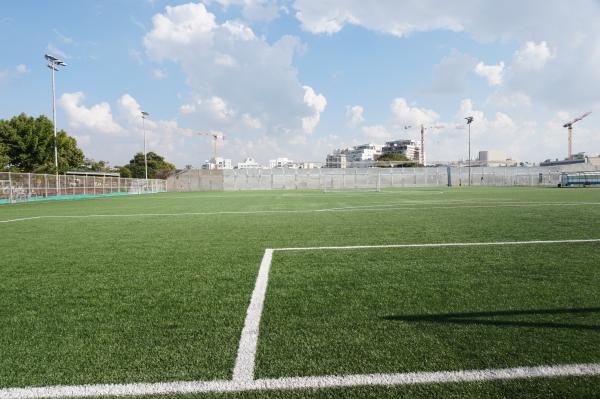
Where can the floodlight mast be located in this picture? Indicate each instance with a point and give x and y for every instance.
(54, 63)
(469, 120)
(144, 116)
(569, 126)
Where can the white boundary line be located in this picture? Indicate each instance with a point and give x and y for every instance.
(360, 208)
(294, 383)
(243, 373)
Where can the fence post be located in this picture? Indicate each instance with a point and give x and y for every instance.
(10, 190)
(46, 184)
(28, 185)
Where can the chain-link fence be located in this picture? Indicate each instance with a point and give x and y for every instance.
(18, 187)
(360, 178)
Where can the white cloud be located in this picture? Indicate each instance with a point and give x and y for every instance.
(158, 73)
(317, 103)
(533, 56)
(354, 115)
(253, 76)
(407, 115)
(55, 51)
(493, 73)
(136, 56)
(559, 46)
(251, 122)
(377, 133)
(22, 69)
(98, 118)
(450, 75)
(65, 39)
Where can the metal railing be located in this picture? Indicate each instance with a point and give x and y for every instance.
(22, 187)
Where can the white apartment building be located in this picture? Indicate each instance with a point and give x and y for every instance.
(337, 159)
(217, 163)
(363, 152)
(248, 163)
(281, 163)
(409, 148)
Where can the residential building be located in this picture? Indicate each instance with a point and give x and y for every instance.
(363, 152)
(248, 163)
(281, 163)
(409, 148)
(337, 159)
(217, 163)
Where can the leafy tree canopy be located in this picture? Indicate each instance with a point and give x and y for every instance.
(394, 159)
(27, 145)
(158, 168)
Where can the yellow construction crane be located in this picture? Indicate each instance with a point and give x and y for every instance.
(216, 136)
(569, 125)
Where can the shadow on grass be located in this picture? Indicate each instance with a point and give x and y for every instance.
(474, 318)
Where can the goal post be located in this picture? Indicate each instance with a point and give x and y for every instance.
(352, 182)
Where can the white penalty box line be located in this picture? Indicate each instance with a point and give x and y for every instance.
(244, 368)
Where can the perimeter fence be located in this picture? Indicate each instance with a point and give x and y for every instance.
(23, 187)
(360, 178)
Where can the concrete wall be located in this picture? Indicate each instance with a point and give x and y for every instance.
(357, 178)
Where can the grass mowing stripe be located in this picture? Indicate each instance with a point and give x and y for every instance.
(374, 208)
(296, 383)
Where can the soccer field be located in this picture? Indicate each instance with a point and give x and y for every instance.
(453, 292)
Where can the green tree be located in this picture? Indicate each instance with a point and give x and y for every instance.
(4, 158)
(394, 159)
(29, 145)
(158, 168)
(96, 166)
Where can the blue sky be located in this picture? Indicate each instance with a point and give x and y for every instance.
(300, 78)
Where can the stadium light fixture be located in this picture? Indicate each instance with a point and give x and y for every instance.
(469, 120)
(53, 64)
(144, 116)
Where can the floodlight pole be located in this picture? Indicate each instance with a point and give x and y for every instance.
(469, 120)
(54, 63)
(54, 122)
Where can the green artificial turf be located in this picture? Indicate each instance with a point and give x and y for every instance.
(430, 309)
(161, 293)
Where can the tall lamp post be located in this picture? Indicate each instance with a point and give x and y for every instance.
(144, 116)
(53, 64)
(469, 120)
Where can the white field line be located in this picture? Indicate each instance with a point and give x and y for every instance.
(292, 383)
(246, 356)
(359, 208)
(243, 374)
(444, 244)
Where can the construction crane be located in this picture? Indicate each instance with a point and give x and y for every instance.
(422, 158)
(569, 125)
(216, 136)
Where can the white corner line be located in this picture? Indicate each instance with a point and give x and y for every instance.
(295, 383)
(442, 244)
(243, 370)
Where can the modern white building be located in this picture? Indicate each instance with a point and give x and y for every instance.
(337, 159)
(409, 148)
(363, 152)
(217, 163)
(281, 163)
(248, 163)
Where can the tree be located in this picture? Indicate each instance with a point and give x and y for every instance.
(29, 145)
(96, 166)
(4, 158)
(394, 159)
(158, 168)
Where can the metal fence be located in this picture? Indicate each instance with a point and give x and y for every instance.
(360, 178)
(20, 187)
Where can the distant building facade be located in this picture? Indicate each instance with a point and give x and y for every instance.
(409, 148)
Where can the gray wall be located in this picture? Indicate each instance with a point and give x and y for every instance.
(356, 178)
